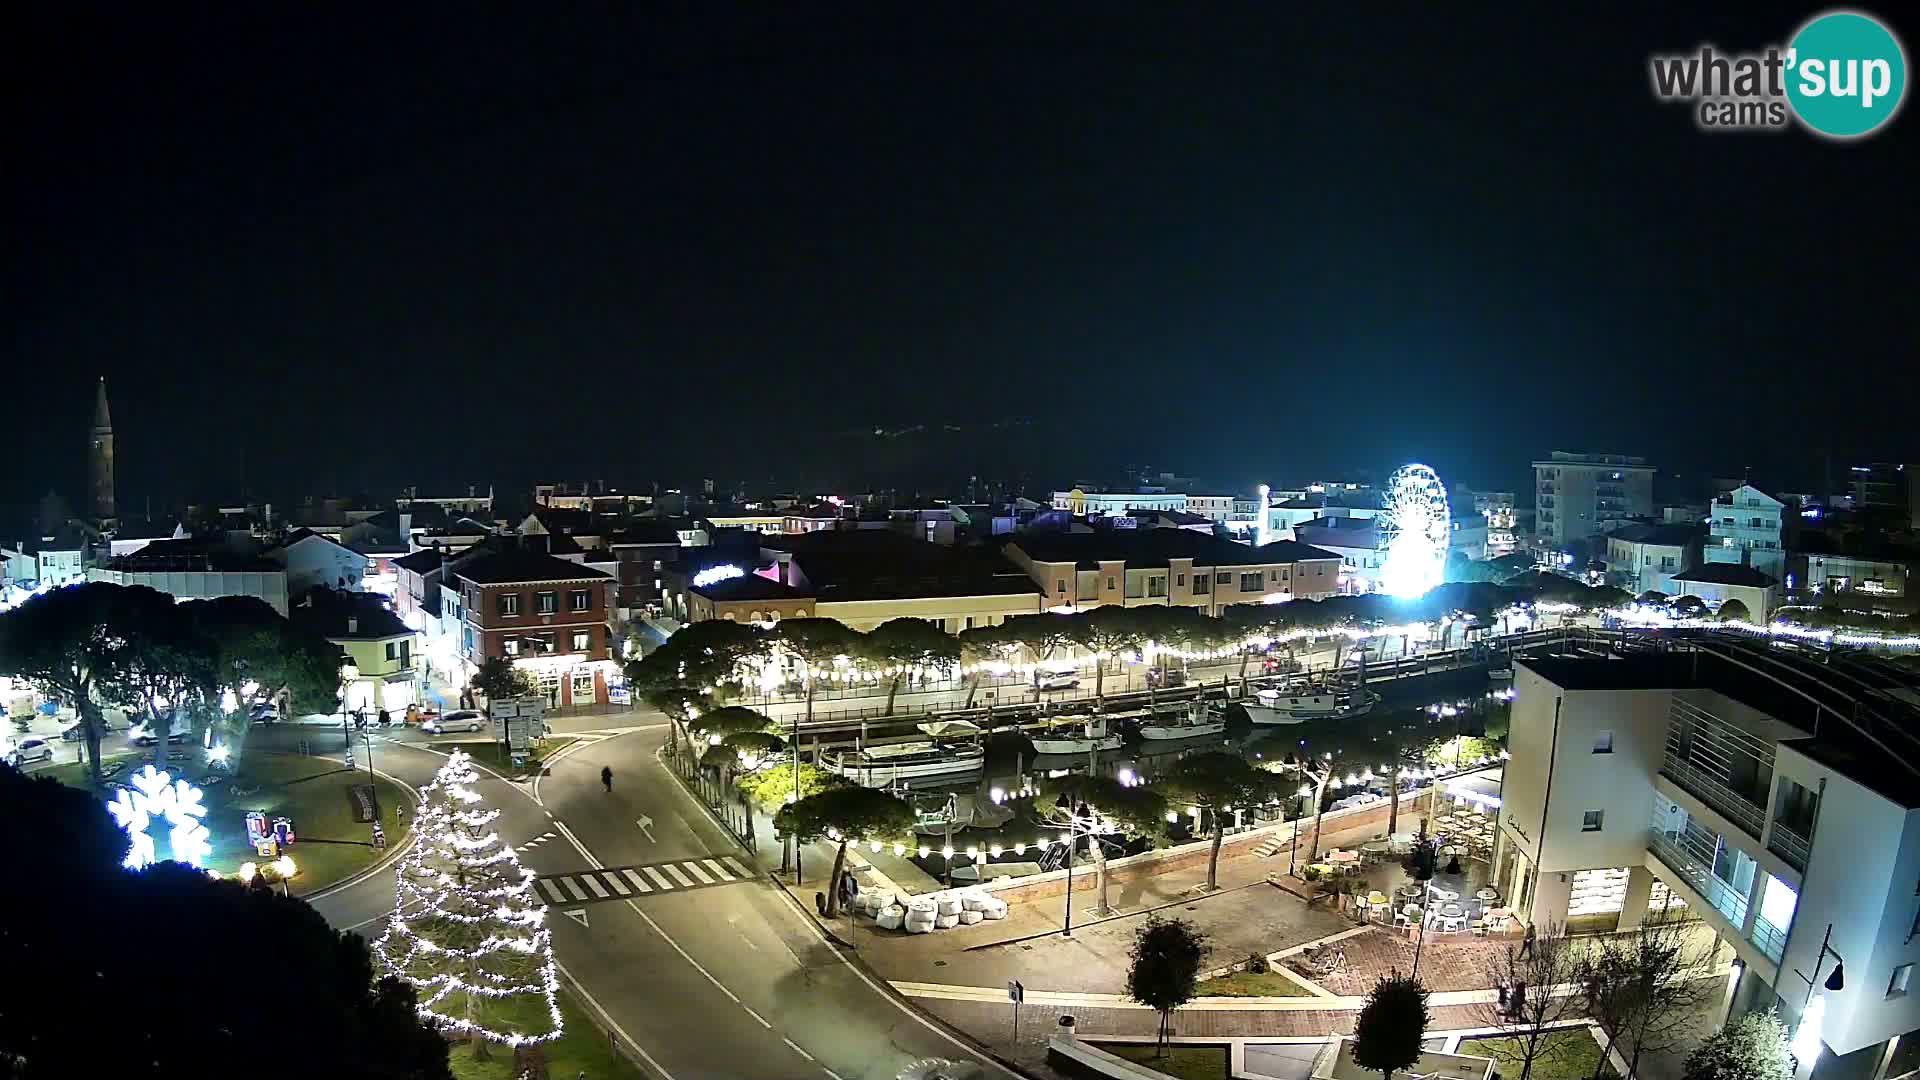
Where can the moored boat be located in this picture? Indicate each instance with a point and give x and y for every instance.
(1077, 736)
(1299, 705)
(880, 766)
(1195, 722)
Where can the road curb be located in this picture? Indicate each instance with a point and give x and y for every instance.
(702, 804)
(852, 956)
(385, 861)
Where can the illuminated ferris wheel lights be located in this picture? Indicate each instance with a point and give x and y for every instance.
(1416, 527)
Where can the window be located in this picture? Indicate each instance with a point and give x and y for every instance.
(1179, 579)
(1157, 585)
(1273, 575)
(1060, 585)
(582, 640)
(1109, 581)
(582, 687)
(1202, 583)
(1222, 577)
(1250, 582)
(1590, 821)
(1603, 742)
(511, 646)
(1755, 522)
(509, 604)
(579, 600)
(546, 603)
(469, 640)
(1897, 986)
(406, 654)
(393, 650)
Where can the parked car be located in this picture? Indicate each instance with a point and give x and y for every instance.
(73, 731)
(263, 712)
(460, 720)
(1061, 679)
(30, 750)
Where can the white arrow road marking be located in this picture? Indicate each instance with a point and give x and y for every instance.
(646, 826)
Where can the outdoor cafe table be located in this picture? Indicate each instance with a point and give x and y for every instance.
(1343, 857)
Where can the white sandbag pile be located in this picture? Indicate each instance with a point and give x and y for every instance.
(993, 908)
(948, 922)
(969, 918)
(891, 917)
(922, 914)
(949, 904)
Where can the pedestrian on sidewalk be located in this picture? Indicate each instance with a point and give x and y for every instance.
(1526, 943)
(606, 778)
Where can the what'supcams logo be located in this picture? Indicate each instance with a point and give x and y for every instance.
(1842, 76)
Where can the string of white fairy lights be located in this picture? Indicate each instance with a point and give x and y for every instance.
(459, 876)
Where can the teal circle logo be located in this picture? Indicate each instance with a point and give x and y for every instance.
(1846, 74)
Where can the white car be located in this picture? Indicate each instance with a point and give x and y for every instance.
(1064, 679)
(31, 749)
(463, 720)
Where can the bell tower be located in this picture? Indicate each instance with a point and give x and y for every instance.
(100, 459)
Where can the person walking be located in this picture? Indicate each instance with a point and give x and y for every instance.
(1526, 944)
(606, 778)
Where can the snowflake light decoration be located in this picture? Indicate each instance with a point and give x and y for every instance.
(156, 794)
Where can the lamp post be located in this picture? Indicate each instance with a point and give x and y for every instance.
(1806, 1037)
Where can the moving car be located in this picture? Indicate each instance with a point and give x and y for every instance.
(141, 734)
(31, 749)
(462, 720)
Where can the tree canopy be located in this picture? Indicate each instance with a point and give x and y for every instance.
(1163, 969)
(1391, 1025)
(174, 1014)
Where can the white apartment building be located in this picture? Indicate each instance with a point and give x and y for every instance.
(1582, 495)
(1645, 558)
(1770, 795)
(1169, 567)
(1745, 529)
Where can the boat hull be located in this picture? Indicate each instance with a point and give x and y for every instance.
(883, 774)
(1182, 731)
(1043, 744)
(1319, 707)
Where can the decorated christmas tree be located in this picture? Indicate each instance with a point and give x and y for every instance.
(468, 931)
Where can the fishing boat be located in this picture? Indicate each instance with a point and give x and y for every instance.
(886, 764)
(880, 766)
(1077, 735)
(1195, 722)
(1298, 705)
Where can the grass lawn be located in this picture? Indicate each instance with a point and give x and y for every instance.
(1186, 1061)
(1565, 1054)
(494, 756)
(310, 790)
(582, 1049)
(1242, 984)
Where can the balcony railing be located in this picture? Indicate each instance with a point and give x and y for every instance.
(1724, 898)
(1789, 844)
(1731, 804)
(1770, 939)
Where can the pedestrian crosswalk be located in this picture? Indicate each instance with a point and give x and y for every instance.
(630, 882)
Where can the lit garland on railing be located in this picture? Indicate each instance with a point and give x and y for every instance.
(461, 883)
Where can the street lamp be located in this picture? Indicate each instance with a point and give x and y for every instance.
(1813, 1011)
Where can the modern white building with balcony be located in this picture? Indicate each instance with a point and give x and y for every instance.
(1582, 495)
(1744, 529)
(1777, 799)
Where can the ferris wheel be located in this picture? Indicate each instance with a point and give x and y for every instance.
(1414, 530)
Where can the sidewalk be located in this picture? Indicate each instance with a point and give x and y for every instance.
(1246, 916)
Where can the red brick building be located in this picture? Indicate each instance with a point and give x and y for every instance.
(548, 615)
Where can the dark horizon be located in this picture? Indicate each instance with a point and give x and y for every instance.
(313, 258)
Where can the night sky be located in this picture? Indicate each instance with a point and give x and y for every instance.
(353, 248)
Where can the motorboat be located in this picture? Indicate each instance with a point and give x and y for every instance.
(882, 765)
(1301, 704)
(1078, 735)
(1195, 722)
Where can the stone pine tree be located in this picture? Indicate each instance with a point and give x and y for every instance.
(1164, 968)
(468, 932)
(845, 815)
(1387, 1034)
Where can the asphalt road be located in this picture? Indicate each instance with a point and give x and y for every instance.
(726, 980)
